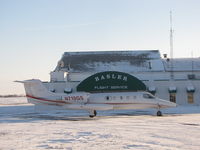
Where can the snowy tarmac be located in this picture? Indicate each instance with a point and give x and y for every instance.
(21, 127)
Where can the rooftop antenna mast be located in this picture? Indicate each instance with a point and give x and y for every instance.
(192, 63)
(171, 48)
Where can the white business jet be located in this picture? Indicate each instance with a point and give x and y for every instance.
(38, 94)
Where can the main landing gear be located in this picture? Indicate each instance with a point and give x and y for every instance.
(93, 113)
(159, 113)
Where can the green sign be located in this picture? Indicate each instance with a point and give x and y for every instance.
(111, 81)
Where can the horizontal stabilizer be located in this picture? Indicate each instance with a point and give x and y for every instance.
(20, 81)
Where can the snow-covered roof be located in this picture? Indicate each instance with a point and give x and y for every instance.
(124, 61)
(190, 88)
(182, 64)
(152, 88)
(172, 88)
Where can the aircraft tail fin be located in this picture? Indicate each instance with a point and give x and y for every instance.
(35, 88)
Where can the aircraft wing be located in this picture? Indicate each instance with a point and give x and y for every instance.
(89, 106)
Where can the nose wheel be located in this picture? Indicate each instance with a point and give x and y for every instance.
(159, 113)
(93, 113)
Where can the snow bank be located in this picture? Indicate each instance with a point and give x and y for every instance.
(13, 100)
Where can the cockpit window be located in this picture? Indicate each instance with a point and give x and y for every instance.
(148, 96)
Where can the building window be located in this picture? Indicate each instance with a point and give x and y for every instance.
(172, 93)
(190, 96)
(172, 97)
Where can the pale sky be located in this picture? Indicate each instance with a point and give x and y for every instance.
(35, 33)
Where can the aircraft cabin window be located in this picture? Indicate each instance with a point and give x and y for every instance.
(121, 97)
(107, 98)
(148, 96)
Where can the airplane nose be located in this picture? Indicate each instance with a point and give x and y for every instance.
(164, 103)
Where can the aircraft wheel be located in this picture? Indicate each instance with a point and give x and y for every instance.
(94, 113)
(159, 113)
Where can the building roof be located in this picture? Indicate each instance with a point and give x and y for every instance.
(182, 64)
(125, 61)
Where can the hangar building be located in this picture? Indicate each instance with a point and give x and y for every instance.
(176, 80)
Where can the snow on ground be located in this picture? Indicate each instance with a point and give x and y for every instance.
(21, 127)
